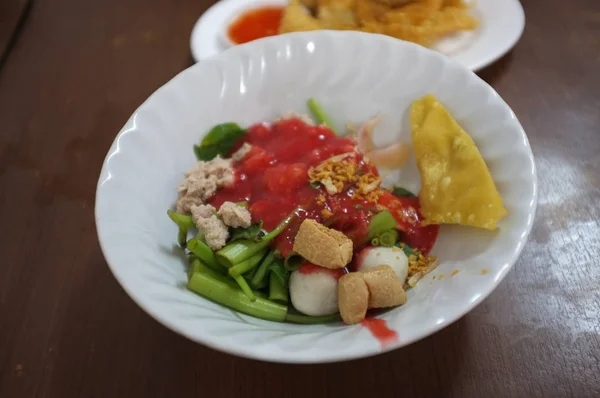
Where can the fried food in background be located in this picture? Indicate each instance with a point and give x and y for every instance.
(337, 14)
(394, 3)
(419, 21)
(297, 19)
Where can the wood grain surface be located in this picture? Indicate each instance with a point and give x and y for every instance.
(76, 72)
(13, 13)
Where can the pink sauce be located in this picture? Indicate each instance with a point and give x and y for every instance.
(380, 330)
(309, 268)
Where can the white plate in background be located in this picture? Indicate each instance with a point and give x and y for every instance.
(501, 25)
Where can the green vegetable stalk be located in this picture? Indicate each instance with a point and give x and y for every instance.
(194, 267)
(246, 265)
(312, 320)
(261, 272)
(320, 114)
(223, 290)
(245, 287)
(238, 251)
(204, 253)
(253, 232)
(181, 220)
(207, 284)
(277, 290)
(276, 268)
(182, 237)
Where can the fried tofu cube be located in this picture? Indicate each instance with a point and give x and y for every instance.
(322, 246)
(385, 289)
(456, 185)
(353, 297)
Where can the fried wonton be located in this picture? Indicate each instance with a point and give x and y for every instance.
(455, 3)
(456, 185)
(419, 21)
(297, 19)
(310, 4)
(415, 12)
(337, 14)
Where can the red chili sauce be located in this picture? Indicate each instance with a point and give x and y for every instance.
(308, 268)
(273, 179)
(255, 24)
(380, 330)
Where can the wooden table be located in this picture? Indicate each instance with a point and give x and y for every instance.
(74, 71)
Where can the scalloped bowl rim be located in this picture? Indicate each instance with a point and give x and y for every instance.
(218, 343)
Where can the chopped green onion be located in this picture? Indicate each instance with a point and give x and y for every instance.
(381, 222)
(388, 238)
(375, 242)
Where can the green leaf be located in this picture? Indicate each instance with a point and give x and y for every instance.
(219, 141)
(399, 191)
(280, 272)
(253, 232)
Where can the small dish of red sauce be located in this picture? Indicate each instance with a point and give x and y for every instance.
(252, 24)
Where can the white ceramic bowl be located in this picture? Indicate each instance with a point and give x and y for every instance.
(354, 76)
